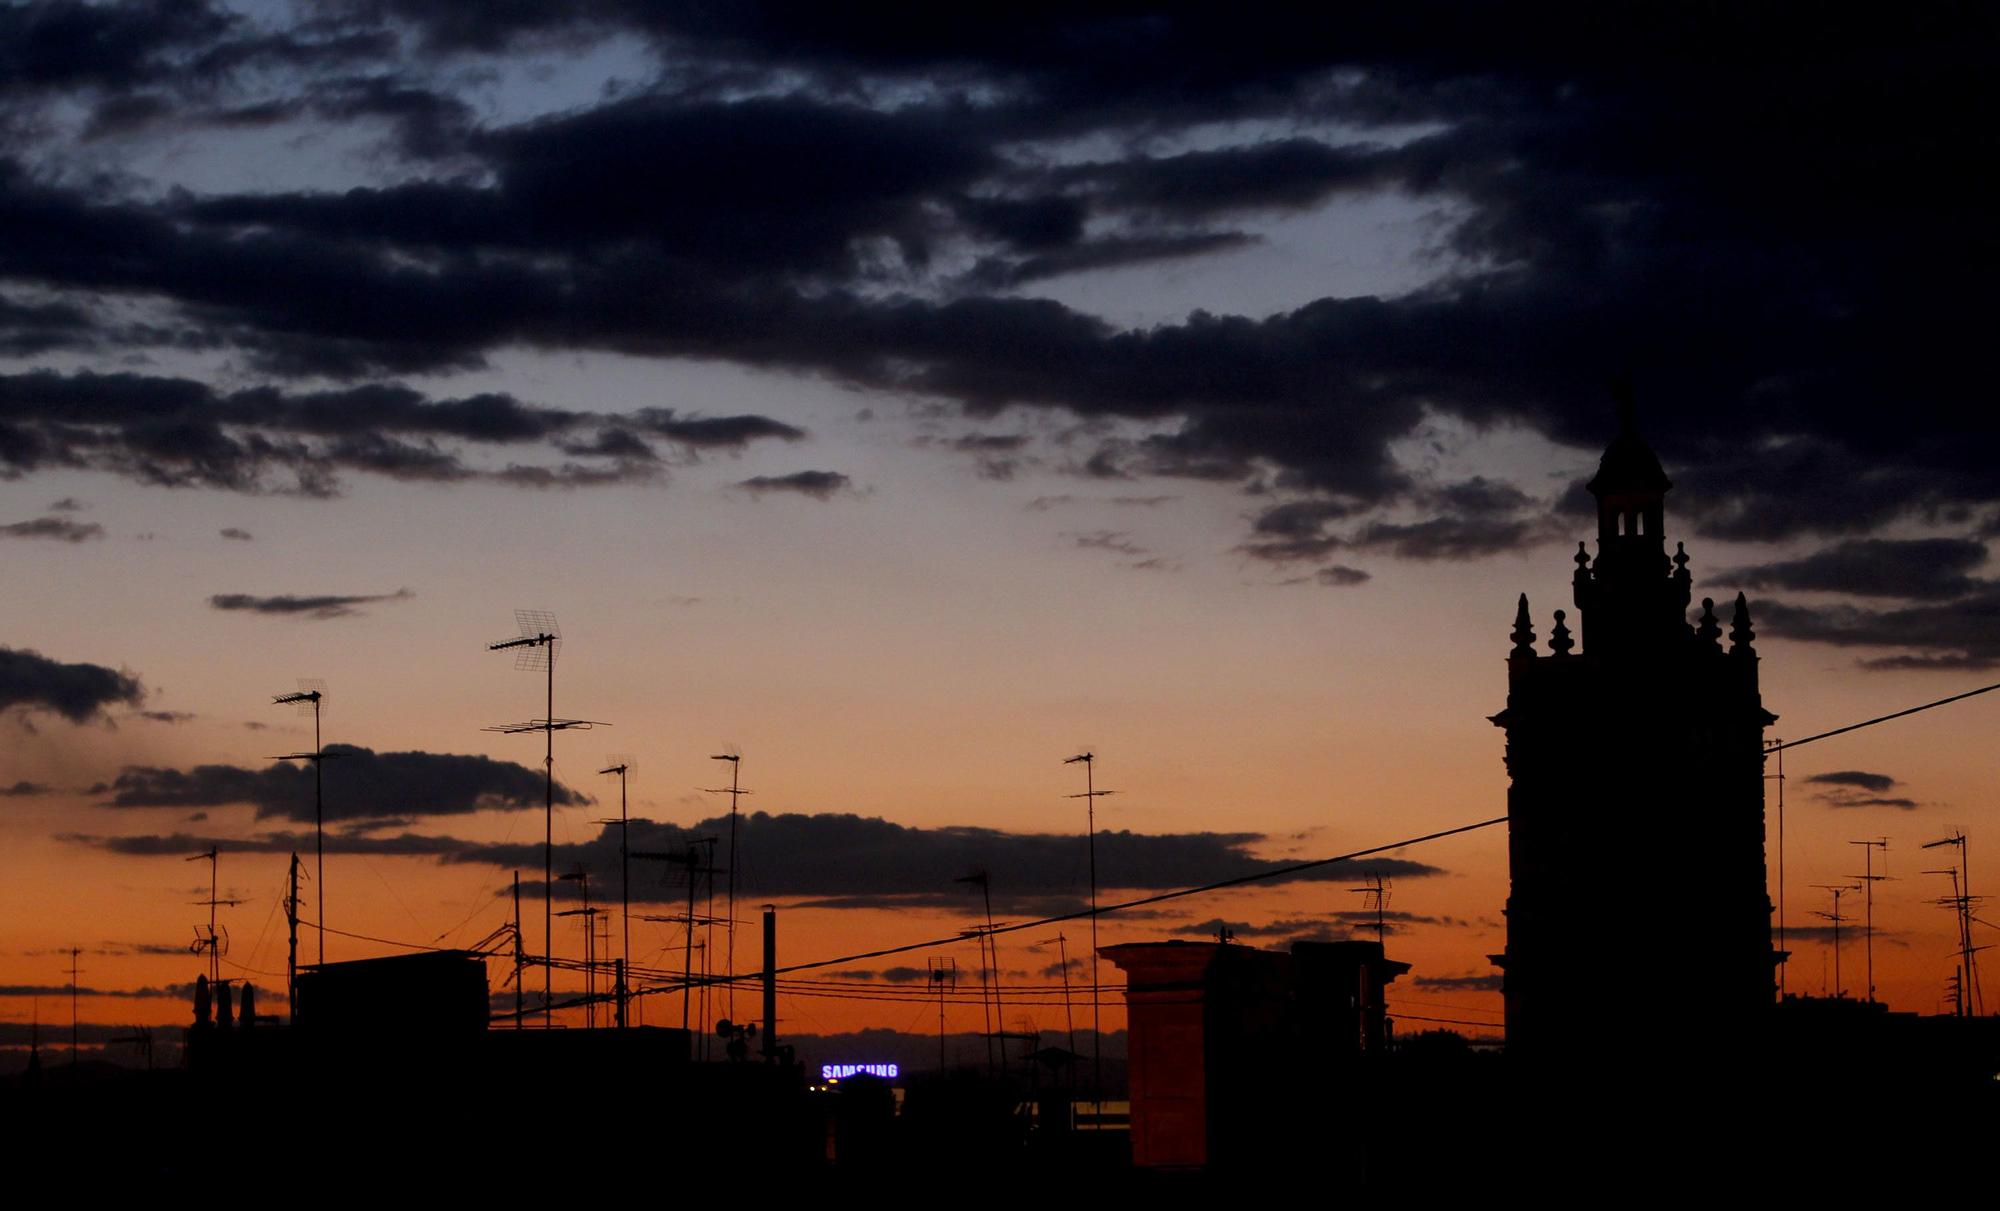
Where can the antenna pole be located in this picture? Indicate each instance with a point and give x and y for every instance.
(624, 890)
(708, 951)
(1783, 949)
(74, 951)
(1089, 797)
(735, 787)
(319, 827)
(1838, 890)
(518, 951)
(993, 951)
(1069, 1015)
(687, 952)
(549, 850)
(1869, 879)
(292, 947)
(214, 945)
(312, 693)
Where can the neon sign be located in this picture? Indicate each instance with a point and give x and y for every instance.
(835, 1072)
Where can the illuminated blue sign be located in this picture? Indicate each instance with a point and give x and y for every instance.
(835, 1072)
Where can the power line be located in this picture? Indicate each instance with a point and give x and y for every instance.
(1985, 689)
(1282, 872)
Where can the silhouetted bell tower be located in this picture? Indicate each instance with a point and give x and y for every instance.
(1638, 919)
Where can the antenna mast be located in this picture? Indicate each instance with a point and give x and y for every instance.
(1838, 890)
(1090, 796)
(622, 766)
(310, 693)
(989, 977)
(1869, 879)
(1968, 998)
(735, 789)
(535, 650)
(581, 878)
(944, 978)
(74, 952)
(215, 942)
(1378, 891)
(292, 942)
(1784, 950)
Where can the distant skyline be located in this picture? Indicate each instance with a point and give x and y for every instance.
(912, 405)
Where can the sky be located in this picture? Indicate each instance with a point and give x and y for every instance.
(908, 404)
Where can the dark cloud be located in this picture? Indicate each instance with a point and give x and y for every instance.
(827, 860)
(31, 681)
(1859, 788)
(360, 784)
(178, 432)
(23, 789)
(167, 845)
(236, 533)
(1874, 783)
(1110, 253)
(1470, 983)
(166, 716)
(1924, 568)
(1334, 575)
(1850, 932)
(1118, 542)
(68, 504)
(320, 606)
(820, 485)
(1953, 635)
(171, 991)
(1777, 256)
(60, 528)
(714, 432)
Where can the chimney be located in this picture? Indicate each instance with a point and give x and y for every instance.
(770, 1049)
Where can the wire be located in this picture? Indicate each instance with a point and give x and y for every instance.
(384, 941)
(1411, 1017)
(1282, 872)
(1985, 689)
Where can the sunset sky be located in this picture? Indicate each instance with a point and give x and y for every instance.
(910, 405)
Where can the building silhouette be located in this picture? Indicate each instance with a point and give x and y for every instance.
(1638, 917)
(1244, 1059)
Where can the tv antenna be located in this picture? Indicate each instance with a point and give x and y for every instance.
(311, 696)
(1869, 879)
(735, 790)
(73, 952)
(621, 765)
(989, 975)
(581, 878)
(535, 651)
(1069, 1014)
(1778, 747)
(1838, 890)
(215, 942)
(691, 859)
(1090, 796)
(944, 979)
(1961, 902)
(1378, 893)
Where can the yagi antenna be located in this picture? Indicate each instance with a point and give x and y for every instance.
(1090, 796)
(311, 697)
(735, 792)
(622, 765)
(535, 648)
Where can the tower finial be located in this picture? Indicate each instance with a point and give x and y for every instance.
(1710, 630)
(1524, 630)
(1740, 634)
(1559, 639)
